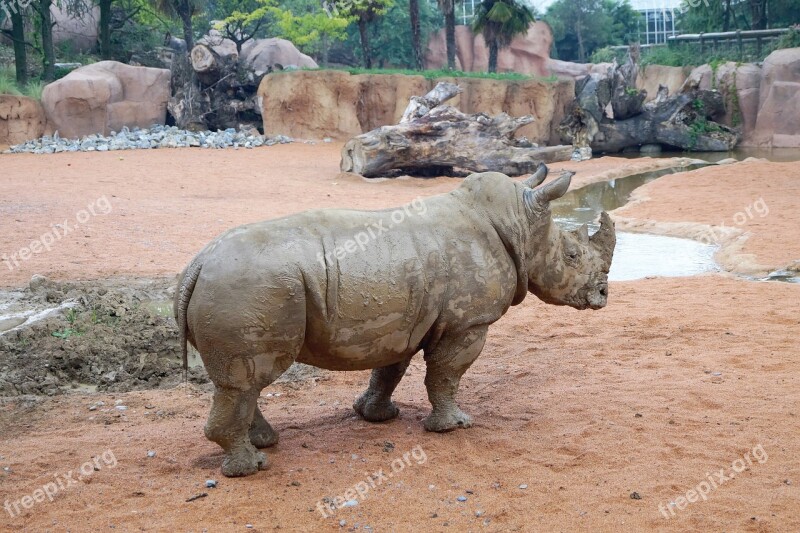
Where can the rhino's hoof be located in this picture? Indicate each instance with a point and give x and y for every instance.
(243, 462)
(263, 436)
(373, 410)
(447, 421)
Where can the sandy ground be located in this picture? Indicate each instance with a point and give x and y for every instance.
(607, 418)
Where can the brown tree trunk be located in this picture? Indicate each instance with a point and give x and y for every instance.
(185, 14)
(48, 49)
(758, 14)
(450, 36)
(416, 44)
(20, 52)
(493, 51)
(365, 48)
(105, 28)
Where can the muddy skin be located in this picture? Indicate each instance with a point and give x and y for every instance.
(355, 290)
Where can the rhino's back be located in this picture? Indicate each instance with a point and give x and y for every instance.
(364, 288)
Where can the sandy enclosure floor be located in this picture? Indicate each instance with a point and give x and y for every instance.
(607, 418)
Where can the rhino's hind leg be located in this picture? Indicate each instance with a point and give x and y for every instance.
(446, 363)
(375, 404)
(261, 433)
(228, 426)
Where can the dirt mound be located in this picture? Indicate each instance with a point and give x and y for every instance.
(114, 336)
(101, 336)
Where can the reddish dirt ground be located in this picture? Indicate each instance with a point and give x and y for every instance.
(676, 379)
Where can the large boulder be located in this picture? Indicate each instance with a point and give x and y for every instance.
(651, 76)
(265, 53)
(318, 104)
(80, 31)
(527, 54)
(778, 122)
(21, 119)
(739, 85)
(106, 96)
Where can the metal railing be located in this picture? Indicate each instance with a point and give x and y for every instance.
(746, 44)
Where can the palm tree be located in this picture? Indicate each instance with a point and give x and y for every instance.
(448, 9)
(500, 21)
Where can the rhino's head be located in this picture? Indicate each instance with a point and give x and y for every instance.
(566, 267)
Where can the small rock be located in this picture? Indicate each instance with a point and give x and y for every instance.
(249, 526)
(211, 483)
(462, 498)
(151, 453)
(37, 281)
(121, 407)
(478, 513)
(342, 523)
(350, 503)
(635, 496)
(295, 483)
(523, 486)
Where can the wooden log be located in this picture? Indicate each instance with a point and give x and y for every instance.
(447, 138)
(421, 105)
(206, 64)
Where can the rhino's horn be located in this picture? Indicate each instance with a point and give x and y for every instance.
(537, 177)
(605, 238)
(538, 200)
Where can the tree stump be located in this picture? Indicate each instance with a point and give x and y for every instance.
(213, 92)
(436, 138)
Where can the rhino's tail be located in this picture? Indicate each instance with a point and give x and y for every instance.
(183, 296)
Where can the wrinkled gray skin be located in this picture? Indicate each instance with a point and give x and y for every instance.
(257, 298)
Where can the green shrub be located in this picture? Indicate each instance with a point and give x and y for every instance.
(34, 89)
(8, 83)
(607, 55)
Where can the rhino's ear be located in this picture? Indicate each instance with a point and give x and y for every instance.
(537, 177)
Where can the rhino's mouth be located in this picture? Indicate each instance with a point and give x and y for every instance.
(598, 297)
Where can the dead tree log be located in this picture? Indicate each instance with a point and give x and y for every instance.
(686, 121)
(439, 138)
(206, 64)
(212, 92)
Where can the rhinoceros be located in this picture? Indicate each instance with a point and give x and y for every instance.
(354, 290)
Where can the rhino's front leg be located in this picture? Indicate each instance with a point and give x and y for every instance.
(375, 404)
(446, 363)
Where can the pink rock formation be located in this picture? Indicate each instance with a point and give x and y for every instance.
(778, 123)
(527, 54)
(21, 119)
(106, 96)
